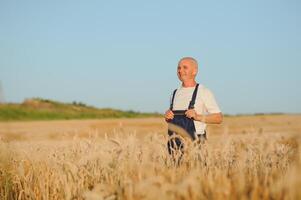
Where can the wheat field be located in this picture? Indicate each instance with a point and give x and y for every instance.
(250, 157)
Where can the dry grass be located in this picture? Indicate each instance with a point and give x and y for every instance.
(123, 164)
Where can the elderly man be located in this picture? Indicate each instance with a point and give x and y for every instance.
(192, 105)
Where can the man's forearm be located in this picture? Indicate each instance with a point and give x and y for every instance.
(215, 118)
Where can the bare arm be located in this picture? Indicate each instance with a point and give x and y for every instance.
(214, 118)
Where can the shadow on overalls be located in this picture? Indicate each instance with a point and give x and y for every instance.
(180, 141)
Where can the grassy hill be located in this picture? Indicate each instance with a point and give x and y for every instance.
(44, 109)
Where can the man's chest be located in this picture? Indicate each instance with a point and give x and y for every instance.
(182, 100)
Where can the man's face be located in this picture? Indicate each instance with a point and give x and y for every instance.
(186, 70)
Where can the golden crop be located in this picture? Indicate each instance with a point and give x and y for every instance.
(122, 165)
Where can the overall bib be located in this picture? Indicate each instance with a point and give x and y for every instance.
(182, 121)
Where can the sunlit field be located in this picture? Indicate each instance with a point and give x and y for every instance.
(247, 157)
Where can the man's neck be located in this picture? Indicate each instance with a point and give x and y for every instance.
(190, 83)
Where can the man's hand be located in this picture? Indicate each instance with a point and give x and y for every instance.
(168, 115)
(191, 114)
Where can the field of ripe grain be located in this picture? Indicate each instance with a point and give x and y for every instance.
(247, 157)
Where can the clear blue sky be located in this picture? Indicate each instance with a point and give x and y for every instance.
(124, 54)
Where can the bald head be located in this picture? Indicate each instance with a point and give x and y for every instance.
(193, 62)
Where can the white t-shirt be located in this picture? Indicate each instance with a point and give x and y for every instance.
(205, 103)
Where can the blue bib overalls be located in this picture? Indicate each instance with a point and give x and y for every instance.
(182, 121)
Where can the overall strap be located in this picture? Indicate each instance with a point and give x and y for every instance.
(192, 102)
(173, 97)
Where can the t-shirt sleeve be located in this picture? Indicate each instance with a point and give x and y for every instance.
(210, 102)
(170, 99)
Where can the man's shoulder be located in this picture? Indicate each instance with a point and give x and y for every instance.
(203, 90)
